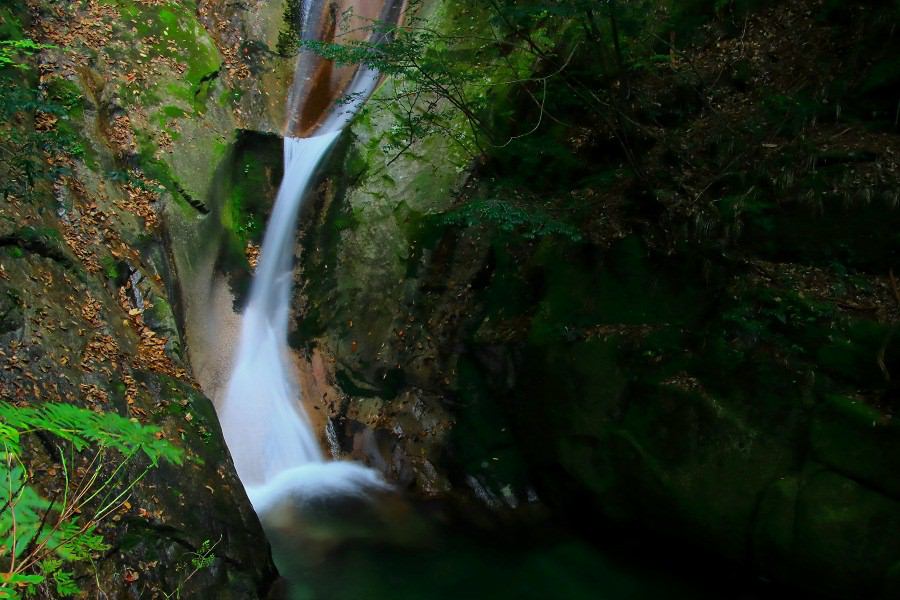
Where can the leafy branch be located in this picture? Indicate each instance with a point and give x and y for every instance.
(10, 49)
(529, 223)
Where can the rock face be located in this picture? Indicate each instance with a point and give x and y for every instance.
(95, 254)
(734, 391)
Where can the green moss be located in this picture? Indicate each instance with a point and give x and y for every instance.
(159, 170)
(773, 534)
(10, 25)
(230, 97)
(44, 234)
(582, 292)
(857, 440)
(482, 440)
(672, 459)
(848, 530)
(173, 112)
(255, 168)
(181, 38)
(510, 293)
(110, 267)
(66, 94)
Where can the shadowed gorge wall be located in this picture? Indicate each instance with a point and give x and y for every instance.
(710, 357)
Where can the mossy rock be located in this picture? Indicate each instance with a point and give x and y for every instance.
(680, 463)
(829, 533)
(11, 316)
(859, 442)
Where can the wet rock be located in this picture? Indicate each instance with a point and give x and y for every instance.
(91, 311)
(820, 521)
(858, 441)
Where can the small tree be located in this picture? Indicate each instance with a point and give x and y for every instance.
(517, 48)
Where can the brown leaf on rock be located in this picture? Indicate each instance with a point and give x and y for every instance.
(100, 349)
(234, 67)
(131, 390)
(91, 311)
(252, 253)
(151, 354)
(164, 141)
(121, 136)
(75, 24)
(45, 121)
(141, 200)
(94, 394)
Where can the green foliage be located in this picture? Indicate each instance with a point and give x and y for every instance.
(24, 530)
(64, 582)
(11, 583)
(11, 49)
(688, 16)
(795, 112)
(23, 163)
(528, 223)
(85, 428)
(203, 558)
(494, 78)
(433, 81)
(289, 37)
(40, 536)
(200, 559)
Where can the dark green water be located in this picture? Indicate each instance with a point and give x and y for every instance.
(394, 550)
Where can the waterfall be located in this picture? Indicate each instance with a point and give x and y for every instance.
(274, 448)
(265, 430)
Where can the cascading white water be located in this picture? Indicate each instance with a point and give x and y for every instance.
(275, 451)
(264, 430)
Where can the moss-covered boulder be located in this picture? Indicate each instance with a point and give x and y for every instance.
(817, 522)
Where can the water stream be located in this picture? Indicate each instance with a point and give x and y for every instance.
(274, 448)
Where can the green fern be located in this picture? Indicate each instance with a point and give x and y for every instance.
(529, 223)
(39, 536)
(12, 583)
(64, 582)
(9, 49)
(83, 428)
